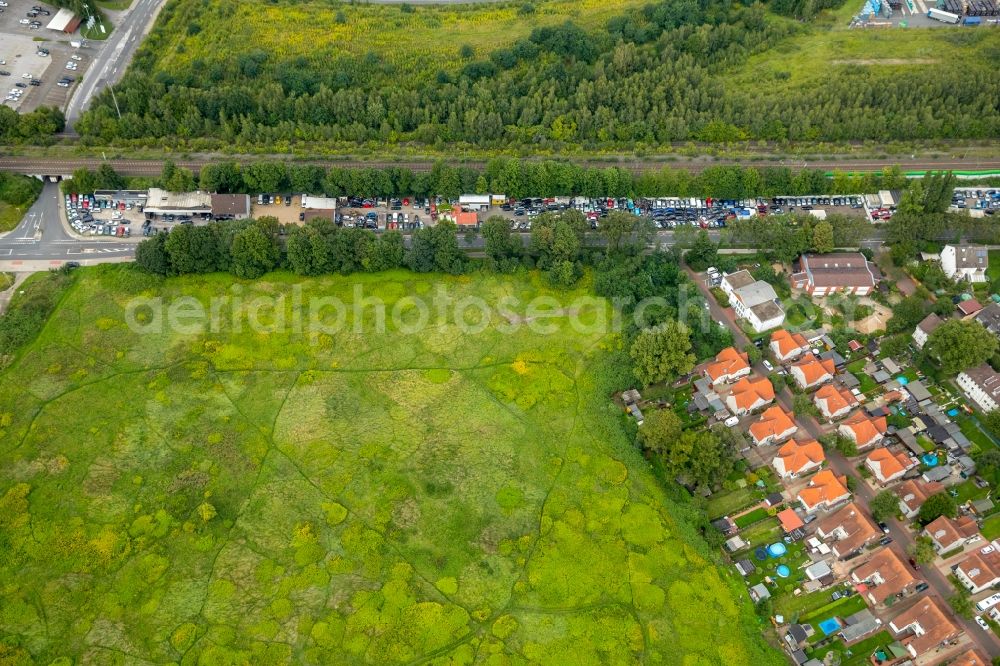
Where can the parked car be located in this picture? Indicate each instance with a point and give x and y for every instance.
(982, 623)
(885, 541)
(882, 526)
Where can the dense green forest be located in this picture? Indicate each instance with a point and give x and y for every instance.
(666, 72)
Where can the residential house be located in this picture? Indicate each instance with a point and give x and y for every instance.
(753, 300)
(863, 430)
(924, 626)
(913, 493)
(918, 391)
(885, 575)
(728, 366)
(733, 281)
(948, 534)
(970, 657)
(836, 272)
(834, 401)
(965, 262)
(811, 371)
(980, 570)
(847, 530)
(888, 466)
(750, 394)
(982, 385)
(775, 425)
(825, 490)
(795, 459)
(924, 329)
(969, 307)
(788, 346)
(989, 317)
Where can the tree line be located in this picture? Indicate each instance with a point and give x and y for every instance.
(646, 79)
(509, 176)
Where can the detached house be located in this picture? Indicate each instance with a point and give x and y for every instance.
(924, 626)
(834, 401)
(753, 300)
(774, 425)
(925, 328)
(811, 371)
(948, 534)
(824, 491)
(847, 530)
(965, 262)
(863, 430)
(750, 394)
(980, 570)
(836, 272)
(886, 575)
(796, 459)
(982, 385)
(788, 346)
(728, 366)
(913, 493)
(887, 466)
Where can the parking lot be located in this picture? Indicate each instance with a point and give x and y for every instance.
(24, 63)
(89, 217)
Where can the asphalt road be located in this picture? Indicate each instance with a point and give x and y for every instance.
(902, 538)
(136, 167)
(43, 240)
(113, 57)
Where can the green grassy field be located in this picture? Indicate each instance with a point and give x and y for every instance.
(243, 497)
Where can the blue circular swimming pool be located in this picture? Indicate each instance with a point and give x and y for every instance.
(777, 549)
(783, 571)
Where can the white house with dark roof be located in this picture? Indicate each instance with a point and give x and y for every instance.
(753, 300)
(965, 262)
(982, 385)
(925, 328)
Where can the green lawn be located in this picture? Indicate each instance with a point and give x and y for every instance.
(751, 518)
(868, 384)
(793, 607)
(993, 270)
(971, 430)
(967, 490)
(857, 654)
(10, 215)
(235, 496)
(727, 502)
(991, 527)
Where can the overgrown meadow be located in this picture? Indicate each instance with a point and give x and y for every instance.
(247, 497)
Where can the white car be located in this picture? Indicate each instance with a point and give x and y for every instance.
(63, 84)
(76, 57)
(982, 623)
(2, 3)
(767, 365)
(27, 76)
(25, 21)
(70, 66)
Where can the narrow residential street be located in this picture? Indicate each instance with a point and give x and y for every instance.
(902, 538)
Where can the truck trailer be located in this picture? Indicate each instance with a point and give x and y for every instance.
(943, 16)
